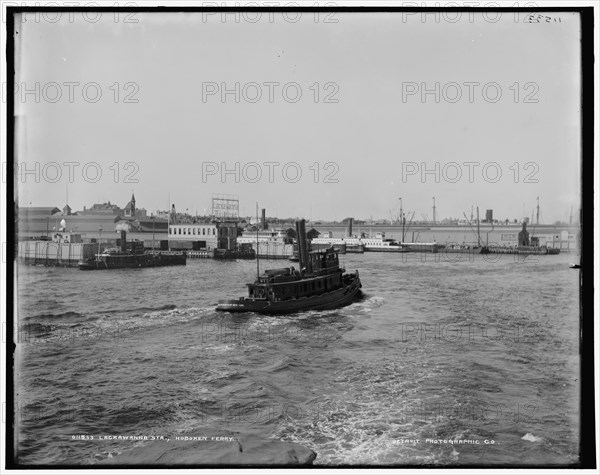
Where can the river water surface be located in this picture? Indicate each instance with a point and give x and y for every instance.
(444, 363)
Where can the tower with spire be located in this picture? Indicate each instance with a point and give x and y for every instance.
(130, 207)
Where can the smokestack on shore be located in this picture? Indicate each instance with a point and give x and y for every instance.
(123, 240)
(264, 219)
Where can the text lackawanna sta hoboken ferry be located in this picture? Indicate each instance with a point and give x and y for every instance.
(320, 284)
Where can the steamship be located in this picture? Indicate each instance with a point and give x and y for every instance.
(319, 284)
(131, 255)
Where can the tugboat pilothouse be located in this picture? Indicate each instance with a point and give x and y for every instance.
(319, 284)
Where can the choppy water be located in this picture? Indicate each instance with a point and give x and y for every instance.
(477, 350)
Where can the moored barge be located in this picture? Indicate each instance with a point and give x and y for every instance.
(132, 255)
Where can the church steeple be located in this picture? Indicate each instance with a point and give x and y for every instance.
(130, 207)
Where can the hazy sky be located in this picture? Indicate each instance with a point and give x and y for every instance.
(374, 65)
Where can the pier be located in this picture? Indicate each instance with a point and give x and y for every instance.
(50, 253)
(522, 250)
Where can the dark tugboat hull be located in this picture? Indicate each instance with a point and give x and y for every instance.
(327, 301)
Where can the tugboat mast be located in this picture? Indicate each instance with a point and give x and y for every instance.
(257, 253)
(478, 234)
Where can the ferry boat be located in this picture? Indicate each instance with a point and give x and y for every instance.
(263, 235)
(380, 244)
(319, 284)
(377, 244)
(271, 244)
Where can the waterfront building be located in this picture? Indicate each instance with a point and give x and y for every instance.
(204, 234)
(97, 221)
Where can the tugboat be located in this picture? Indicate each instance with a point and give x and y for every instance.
(320, 284)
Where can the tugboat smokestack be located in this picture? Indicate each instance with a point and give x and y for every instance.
(123, 241)
(300, 263)
(302, 245)
(264, 219)
(350, 227)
